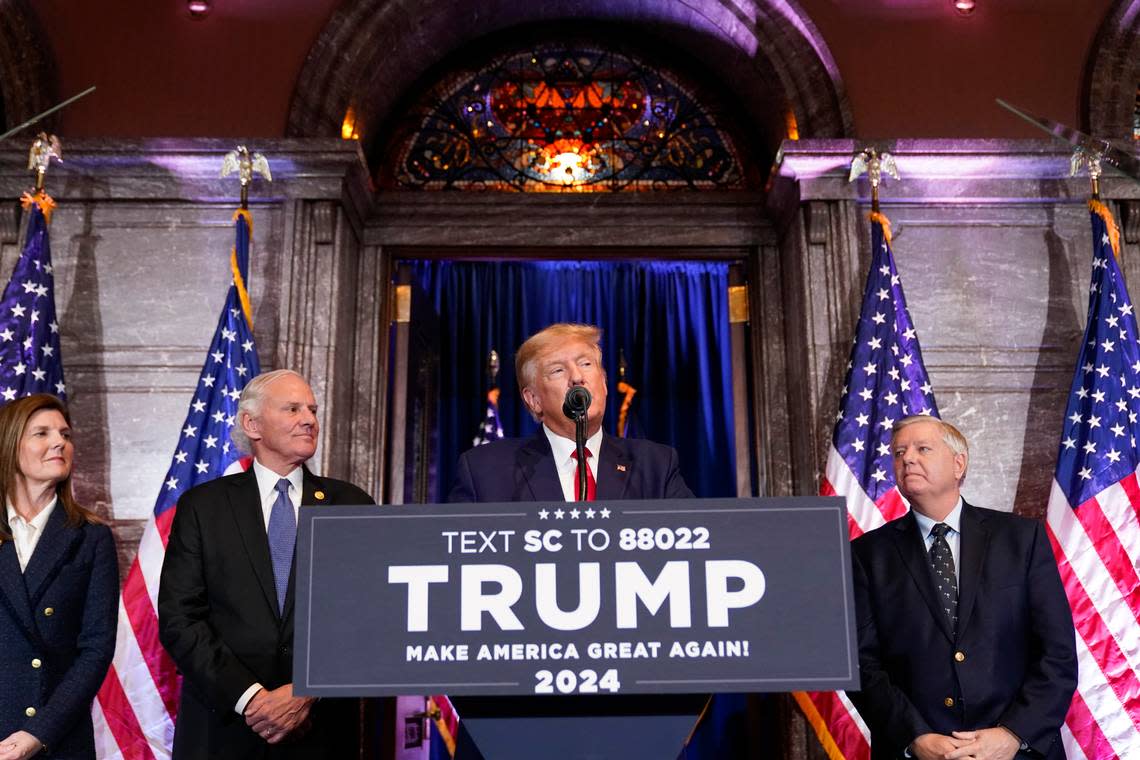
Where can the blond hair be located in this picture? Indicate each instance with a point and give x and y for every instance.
(544, 341)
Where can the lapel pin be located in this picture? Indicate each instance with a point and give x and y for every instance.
(621, 468)
(319, 495)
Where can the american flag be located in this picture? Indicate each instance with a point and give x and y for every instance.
(137, 705)
(886, 380)
(491, 428)
(30, 360)
(444, 730)
(1094, 514)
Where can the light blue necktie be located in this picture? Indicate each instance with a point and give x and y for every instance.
(282, 538)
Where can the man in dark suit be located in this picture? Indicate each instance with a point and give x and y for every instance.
(966, 643)
(225, 602)
(543, 467)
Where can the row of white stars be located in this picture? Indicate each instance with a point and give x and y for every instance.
(9, 393)
(201, 465)
(575, 513)
(8, 335)
(31, 286)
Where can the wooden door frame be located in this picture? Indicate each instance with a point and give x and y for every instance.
(688, 226)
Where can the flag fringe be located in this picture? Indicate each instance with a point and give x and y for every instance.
(1101, 210)
(441, 726)
(881, 218)
(239, 281)
(45, 202)
(628, 392)
(816, 721)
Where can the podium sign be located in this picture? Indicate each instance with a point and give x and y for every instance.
(609, 597)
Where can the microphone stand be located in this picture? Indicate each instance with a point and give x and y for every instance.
(580, 447)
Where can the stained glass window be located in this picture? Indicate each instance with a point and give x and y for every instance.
(559, 117)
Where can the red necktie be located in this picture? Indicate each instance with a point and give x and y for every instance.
(591, 486)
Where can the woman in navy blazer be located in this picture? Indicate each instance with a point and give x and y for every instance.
(59, 585)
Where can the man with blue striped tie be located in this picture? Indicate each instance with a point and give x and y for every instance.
(226, 598)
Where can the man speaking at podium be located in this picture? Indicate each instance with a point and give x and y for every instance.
(554, 367)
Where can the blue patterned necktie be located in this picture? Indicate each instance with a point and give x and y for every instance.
(942, 562)
(282, 538)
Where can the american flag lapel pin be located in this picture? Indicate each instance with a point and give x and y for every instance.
(621, 468)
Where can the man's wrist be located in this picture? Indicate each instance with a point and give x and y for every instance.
(1022, 745)
(247, 697)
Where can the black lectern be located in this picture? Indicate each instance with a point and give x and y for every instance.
(575, 630)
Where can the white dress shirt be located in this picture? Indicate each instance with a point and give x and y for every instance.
(267, 489)
(567, 465)
(25, 535)
(953, 536)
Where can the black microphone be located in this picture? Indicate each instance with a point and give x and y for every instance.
(577, 402)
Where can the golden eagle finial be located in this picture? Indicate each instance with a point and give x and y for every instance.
(44, 148)
(246, 164)
(873, 163)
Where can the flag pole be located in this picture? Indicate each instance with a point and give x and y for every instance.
(493, 367)
(46, 113)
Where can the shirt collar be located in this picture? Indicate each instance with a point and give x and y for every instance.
(954, 520)
(563, 448)
(267, 478)
(38, 522)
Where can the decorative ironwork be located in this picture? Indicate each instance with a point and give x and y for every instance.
(558, 117)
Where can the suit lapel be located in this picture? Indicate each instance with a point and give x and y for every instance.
(13, 591)
(245, 506)
(53, 548)
(909, 544)
(972, 552)
(536, 462)
(613, 469)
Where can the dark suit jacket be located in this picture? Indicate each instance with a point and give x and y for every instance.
(1012, 661)
(218, 619)
(74, 573)
(523, 469)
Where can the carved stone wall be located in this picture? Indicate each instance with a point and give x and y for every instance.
(991, 237)
(141, 240)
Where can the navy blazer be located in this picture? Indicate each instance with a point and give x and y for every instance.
(61, 613)
(218, 619)
(523, 469)
(1012, 660)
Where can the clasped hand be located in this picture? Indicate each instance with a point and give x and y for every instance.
(275, 714)
(984, 744)
(19, 745)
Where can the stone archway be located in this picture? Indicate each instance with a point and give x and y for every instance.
(1112, 74)
(372, 51)
(27, 69)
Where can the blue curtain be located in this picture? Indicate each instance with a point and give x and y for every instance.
(669, 318)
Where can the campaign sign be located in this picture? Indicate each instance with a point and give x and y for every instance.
(605, 597)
